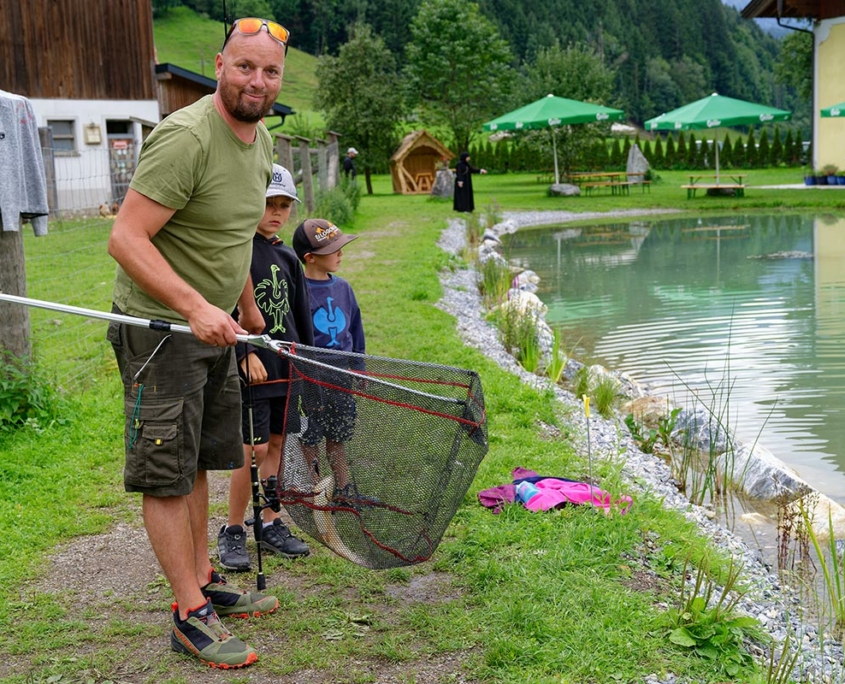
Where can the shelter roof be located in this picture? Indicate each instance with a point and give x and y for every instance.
(794, 9)
(421, 138)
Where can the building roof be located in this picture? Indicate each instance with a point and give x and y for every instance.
(210, 83)
(794, 9)
(417, 139)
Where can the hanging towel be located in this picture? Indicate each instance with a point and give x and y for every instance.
(23, 184)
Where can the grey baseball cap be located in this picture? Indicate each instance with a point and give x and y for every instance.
(282, 184)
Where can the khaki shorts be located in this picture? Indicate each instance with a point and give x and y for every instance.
(183, 409)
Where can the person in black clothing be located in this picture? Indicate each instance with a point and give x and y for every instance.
(349, 163)
(278, 284)
(463, 184)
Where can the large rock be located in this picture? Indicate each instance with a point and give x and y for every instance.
(444, 184)
(637, 164)
(564, 190)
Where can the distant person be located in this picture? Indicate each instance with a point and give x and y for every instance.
(464, 200)
(278, 284)
(349, 163)
(337, 324)
(183, 240)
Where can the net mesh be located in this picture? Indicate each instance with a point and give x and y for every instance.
(386, 452)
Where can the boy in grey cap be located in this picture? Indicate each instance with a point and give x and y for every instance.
(278, 284)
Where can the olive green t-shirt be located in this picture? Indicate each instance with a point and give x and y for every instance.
(194, 163)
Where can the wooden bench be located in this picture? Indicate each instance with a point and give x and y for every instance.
(644, 185)
(617, 187)
(737, 188)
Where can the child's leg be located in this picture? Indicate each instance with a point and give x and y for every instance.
(336, 455)
(272, 464)
(240, 487)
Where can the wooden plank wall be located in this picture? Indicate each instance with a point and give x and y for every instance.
(77, 49)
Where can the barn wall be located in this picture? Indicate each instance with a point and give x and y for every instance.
(77, 49)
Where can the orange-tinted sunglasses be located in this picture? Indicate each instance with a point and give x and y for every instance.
(249, 26)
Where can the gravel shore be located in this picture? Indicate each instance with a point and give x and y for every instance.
(774, 605)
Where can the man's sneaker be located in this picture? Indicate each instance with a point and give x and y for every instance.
(231, 546)
(203, 635)
(277, 538)
(233, 602)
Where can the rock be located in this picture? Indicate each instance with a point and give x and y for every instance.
(444, 184)
(564, 190)
(637, 164)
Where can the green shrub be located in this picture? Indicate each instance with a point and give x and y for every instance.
(352, 190)
(26, 397)
(334, 205)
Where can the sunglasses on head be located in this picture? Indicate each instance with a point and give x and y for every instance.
(249, 26)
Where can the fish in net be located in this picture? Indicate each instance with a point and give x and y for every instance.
(387, 450)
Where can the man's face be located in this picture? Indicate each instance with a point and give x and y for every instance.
(249, 75)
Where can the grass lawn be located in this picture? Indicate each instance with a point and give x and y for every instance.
(558, 597)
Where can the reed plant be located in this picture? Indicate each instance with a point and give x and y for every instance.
(582, 382)
(832, 562)
(557, 359)
(492, 213)
(518, 328)
(605, 393)
(474, 229)
(494, 281)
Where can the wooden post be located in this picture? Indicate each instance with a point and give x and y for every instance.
(45, 136)
(322, 166)
(333, 159)
(14, 332)
(307, 179)
(285, 152)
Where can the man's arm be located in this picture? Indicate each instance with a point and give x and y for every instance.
(130, 244)
(249, 315)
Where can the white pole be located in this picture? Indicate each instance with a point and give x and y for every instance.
(554, 147)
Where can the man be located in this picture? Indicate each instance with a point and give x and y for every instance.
(183, 243)
(349, 163)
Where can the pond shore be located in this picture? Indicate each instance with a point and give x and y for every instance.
(777, 607)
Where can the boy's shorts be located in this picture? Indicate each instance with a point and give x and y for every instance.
(182, 406)
(268, 417)
(334, 419)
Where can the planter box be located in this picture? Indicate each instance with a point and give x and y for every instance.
(809, 180)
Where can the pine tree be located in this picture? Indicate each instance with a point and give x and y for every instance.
(726, 153)
(681, 152)
(789, 149)
(669, 158)
(658, 161)
(776, 155)
(647, 150)
(750, 151)
(764, 153)
(692, 152)
(615, 154)
(626, 149)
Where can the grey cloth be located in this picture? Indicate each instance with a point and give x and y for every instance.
(23, 185)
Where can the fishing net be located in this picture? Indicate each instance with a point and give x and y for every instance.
(387, 450)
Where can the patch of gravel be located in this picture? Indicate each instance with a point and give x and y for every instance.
(776, 606)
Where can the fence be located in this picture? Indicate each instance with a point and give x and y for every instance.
(70, 265)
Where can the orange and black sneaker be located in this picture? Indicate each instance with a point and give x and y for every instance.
(201, 634)
(229, 601)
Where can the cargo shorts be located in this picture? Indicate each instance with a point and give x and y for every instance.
(183, 409)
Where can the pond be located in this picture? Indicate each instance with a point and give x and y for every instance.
(745, 310)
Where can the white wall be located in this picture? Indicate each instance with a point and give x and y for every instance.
(83, 178)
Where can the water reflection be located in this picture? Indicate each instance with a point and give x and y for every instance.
(746, 310)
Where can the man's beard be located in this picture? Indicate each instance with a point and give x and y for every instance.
(251, 112)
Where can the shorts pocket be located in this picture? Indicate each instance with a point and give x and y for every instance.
(154, 443)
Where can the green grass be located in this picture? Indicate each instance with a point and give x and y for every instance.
(192, 42)
(524, 597)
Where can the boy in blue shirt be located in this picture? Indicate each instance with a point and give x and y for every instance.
(337, 325)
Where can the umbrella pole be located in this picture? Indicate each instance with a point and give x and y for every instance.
(554, 147)
(717, 158)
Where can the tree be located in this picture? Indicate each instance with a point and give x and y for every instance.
(764, 153)
(794, 66)
(776, 155)
(458, 67)
(359, 93)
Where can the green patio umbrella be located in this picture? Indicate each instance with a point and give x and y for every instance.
(552, 112)
(713, 112)
(834, 110)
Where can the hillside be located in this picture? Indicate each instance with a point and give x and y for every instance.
(190, 41)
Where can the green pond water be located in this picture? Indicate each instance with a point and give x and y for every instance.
(747, 311)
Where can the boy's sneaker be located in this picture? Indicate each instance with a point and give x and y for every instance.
(203, 635)
(231, 546)
(233, 602)
(277, 538)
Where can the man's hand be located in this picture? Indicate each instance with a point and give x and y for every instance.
(214, 326)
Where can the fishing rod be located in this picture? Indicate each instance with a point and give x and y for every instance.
(269, 498)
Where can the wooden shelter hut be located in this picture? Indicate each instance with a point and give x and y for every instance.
(413, 166)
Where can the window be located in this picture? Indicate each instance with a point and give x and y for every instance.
(64, 139)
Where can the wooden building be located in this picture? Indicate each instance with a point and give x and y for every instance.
(413, 166)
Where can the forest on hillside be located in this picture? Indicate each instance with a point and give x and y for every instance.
(664, 53)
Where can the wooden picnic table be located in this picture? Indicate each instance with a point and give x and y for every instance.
(704, 181)
(619, 182)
